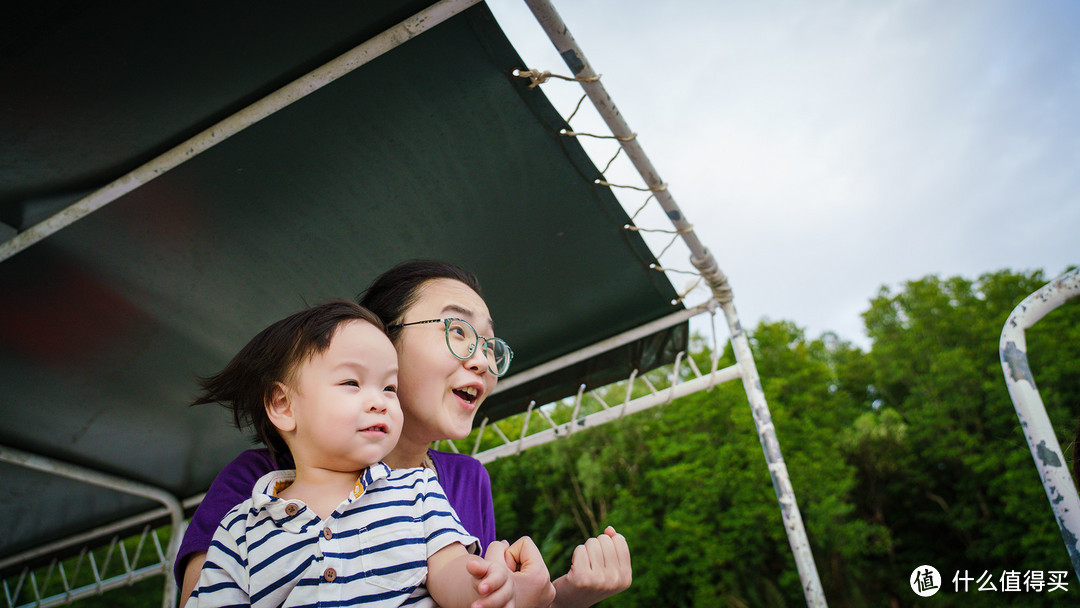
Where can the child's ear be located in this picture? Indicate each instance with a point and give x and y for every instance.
(279, 408)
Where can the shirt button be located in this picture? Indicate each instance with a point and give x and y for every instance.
(291, 509)
(327, 534)
(329, 575)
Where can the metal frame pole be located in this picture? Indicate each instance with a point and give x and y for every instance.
(601, 347)
(1041, 439)
(770, 445)
(64, 469)
(615, 412)
(703, 260)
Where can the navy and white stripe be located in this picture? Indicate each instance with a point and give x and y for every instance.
(266, 553)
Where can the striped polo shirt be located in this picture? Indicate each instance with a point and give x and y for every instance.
(372, 550)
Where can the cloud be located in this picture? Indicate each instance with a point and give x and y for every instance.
(824, 149)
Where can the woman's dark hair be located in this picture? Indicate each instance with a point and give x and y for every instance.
(396, 290)
(274, 355)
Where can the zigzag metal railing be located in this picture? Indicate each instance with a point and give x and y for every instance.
(677, 387)
(88, 573)
(173, 510)
(59, 583)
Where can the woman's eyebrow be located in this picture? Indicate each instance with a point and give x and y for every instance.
(465, 312)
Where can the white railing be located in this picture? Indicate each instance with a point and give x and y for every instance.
(1045, 449)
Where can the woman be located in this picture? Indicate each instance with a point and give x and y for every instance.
(440, 391)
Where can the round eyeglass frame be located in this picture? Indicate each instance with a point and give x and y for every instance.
(446, 330)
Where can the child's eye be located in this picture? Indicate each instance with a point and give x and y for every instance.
(351, 383)
(391, 389)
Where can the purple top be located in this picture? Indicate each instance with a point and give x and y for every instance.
(463, 478)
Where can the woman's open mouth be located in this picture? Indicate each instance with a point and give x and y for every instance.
(468, 394)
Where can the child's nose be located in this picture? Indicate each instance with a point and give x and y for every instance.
(377, 403)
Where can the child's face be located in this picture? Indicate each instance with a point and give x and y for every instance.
(345, 401)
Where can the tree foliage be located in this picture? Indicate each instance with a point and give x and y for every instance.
(905, 455)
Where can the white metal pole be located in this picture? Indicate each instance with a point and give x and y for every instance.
(298, 89)
(770, 445)
(78, 473)
(571, 53)
(612, 413)
(601, 347)
(703, 260)
(1041, 439)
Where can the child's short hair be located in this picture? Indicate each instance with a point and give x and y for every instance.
(274, 355)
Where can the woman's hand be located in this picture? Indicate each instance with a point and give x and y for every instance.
(532, 583)
(598, 570)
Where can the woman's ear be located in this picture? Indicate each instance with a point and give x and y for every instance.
(279, 408)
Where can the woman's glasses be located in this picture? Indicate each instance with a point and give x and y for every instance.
(462, 339)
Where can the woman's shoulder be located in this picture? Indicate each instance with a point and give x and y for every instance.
(457, 464)
(246, 468)
(258, 459)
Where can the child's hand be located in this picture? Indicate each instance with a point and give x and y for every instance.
(599, 569)
(532, 582)
(492, 578)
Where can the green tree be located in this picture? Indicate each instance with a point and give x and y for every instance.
(943, 462)
(687, 485)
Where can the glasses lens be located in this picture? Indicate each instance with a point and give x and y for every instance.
(461, 338)
(498, 355)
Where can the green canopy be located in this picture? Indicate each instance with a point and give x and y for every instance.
(434, 149)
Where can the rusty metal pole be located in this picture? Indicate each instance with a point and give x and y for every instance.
(705, 263)
(1045, 449)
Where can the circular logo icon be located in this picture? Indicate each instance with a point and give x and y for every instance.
(925, 581)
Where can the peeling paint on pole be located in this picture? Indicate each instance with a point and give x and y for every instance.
(1016, 365)
(774, 459)
(1039, 433)
(1047, 456)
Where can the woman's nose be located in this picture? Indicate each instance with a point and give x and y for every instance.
(477, 362)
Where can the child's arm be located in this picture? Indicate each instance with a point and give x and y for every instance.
(599, 569)
(223, 580)
(458, 579)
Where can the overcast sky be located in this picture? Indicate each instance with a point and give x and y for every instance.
(823, 149)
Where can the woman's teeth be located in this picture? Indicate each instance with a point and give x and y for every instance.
(468, 393)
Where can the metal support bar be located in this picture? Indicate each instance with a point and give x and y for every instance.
(645, 402)
(600, 347)
(571, 53)
(96, 533)
(63, 469)
(770, 445)
(1045, 449)
(703, 260)
(298, 89)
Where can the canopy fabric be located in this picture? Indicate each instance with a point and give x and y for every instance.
(433, 150)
